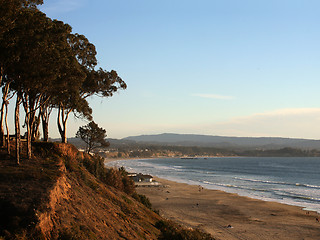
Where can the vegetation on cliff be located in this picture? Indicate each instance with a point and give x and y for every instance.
(62, 193)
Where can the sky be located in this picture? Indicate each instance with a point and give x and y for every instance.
(217, 67)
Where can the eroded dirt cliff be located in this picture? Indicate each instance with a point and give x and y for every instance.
(54, 196)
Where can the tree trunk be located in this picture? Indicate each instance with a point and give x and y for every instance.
(4, 100)
(45, 130)
(64, 137)
(45, 116)
(27, 123)
(7, 127)
(35, 129)
(29, 150)
(2, 137)
(32, 118)
(62, 123)
(17, 129)
(28, 106)
(62, 131)
(59, 124)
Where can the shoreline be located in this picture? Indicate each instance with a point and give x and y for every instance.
(229, 216)
(214, 210)
(305, 208)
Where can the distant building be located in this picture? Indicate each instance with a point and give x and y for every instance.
(140, 177)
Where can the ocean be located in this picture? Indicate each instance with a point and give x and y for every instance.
(292, 180)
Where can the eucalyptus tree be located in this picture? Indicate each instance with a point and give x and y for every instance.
(6, 96)
(96, 82)
(5, 92)
(66, 85)
(72, 104)
(44, 59)
(73, 101)
(9, 11)
(33, 71)
(22, 44)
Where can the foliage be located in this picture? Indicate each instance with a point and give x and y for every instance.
(142, 199)
(93, 136)
(47, 67)
(173, 231)
(117, 178)
(9, 9)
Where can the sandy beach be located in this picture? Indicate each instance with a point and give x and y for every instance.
(229, 216)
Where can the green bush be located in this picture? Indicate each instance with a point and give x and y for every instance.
(173, 231)
(117, 178)
(142, 199)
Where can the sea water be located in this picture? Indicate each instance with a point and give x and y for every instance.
(294, 181)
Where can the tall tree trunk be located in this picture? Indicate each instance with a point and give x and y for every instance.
(35, 128)
(2, 136)
(29, 149)
(26, 106)
(4, 100)
(59, 123)
(45, 116)
(45, 130)
(33, 120)
(30, 104)
(62, 123)
(17, 128)
(7, 127)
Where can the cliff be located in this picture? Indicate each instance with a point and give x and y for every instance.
(57, 195)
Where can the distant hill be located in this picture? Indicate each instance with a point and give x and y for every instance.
(223, 142)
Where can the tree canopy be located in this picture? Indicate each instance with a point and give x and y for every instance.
(93, 136)
(47, 67)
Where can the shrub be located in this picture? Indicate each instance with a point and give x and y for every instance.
(117, 178)
(142, 199)
(173, 231)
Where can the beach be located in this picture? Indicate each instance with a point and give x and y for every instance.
(230, 216)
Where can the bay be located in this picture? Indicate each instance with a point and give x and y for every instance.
(292, 180)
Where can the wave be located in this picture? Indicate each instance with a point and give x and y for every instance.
(226, 185)
(294, 195)
(277, 182)
(308, 185)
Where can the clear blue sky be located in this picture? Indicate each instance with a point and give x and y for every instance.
(216, 67)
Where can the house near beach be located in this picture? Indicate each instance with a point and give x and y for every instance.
(140, 177)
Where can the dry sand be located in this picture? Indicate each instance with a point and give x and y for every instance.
(213, 211)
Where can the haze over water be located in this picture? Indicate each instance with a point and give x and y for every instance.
(294, 181)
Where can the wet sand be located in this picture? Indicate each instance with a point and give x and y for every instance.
(229, 216)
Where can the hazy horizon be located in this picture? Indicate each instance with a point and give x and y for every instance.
(206, 135)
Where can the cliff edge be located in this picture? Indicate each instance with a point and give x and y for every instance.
(61, 194)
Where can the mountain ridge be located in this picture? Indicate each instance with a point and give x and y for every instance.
(225, 141)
